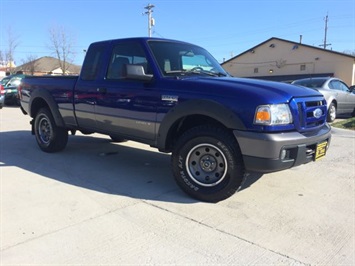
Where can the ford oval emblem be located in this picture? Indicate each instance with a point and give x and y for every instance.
(317, 113)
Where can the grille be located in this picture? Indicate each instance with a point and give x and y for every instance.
(307, 110)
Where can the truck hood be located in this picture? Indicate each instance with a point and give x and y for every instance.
(264, 90)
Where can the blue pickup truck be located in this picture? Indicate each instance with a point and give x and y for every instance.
(175, 96)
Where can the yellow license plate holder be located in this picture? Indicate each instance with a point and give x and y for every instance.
(321, 150)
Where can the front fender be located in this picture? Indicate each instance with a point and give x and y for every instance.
(206, 108)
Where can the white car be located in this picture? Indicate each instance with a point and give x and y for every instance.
(340, 98)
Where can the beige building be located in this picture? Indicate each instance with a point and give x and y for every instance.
(283, 60)
(47, 66)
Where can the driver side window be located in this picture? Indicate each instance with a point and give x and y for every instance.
(124, 54)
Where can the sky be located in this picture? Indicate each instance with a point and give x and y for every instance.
(225, 28)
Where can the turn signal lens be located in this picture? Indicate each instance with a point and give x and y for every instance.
(263, 115)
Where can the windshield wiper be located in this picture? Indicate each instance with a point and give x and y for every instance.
(207, 72)
(220, 74)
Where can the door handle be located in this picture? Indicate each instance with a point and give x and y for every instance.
(101, 90)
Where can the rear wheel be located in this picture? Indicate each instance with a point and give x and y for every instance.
(50, 138)
(332, 113)
(207, 163)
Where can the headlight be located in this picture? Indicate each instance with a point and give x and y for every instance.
(273, 114)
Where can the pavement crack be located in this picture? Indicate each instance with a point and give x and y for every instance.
(225, 233)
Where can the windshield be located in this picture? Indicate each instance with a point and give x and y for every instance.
(5, 80)
(181, 59)
(14, 82)
(310, 83)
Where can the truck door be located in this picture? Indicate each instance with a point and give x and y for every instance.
(85, 92)
(125, 106)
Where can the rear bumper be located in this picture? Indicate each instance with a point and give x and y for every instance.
(2, 101)
(262, 152)
(11, 96)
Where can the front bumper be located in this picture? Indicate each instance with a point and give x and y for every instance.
(270, 152)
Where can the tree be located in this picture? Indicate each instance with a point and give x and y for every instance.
(61, 44)
(349, 52)
(9, 55)
(2, 58)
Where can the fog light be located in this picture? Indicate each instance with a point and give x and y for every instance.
(283, 154)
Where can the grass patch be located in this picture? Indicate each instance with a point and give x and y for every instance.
(346, 124)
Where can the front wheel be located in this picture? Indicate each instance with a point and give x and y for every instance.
(332, 113)
(50, 138)
(207, 163)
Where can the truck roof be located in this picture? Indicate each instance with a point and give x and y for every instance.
(141, 39)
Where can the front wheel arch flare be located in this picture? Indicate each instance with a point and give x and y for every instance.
(206, 108)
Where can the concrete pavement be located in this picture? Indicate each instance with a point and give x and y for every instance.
(100, 203)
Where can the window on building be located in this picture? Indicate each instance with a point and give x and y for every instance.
(303, 67)
(256, 70)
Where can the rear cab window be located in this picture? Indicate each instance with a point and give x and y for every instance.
(92, 62)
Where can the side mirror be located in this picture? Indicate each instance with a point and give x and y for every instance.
(137, 72)
(352, 88)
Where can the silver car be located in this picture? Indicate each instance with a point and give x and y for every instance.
(340, 98)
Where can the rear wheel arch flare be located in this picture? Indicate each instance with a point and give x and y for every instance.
(42, 98)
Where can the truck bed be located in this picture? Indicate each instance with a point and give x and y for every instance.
(60, 87)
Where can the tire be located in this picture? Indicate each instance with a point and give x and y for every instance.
(207, 163)
(50, 138)
(332, 113)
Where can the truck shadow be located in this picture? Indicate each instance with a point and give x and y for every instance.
(97, 164)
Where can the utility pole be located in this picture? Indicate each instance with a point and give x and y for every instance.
(151, 22)
(325, 44)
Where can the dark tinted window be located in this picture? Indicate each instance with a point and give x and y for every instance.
(92, 62)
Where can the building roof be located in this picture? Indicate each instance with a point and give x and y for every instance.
(46, 65)
(291, 42)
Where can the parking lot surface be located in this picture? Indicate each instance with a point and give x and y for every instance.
(101, 203)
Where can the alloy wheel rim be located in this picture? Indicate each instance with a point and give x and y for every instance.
(332, 113)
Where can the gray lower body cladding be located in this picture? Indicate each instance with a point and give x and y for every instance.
(270, 152)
